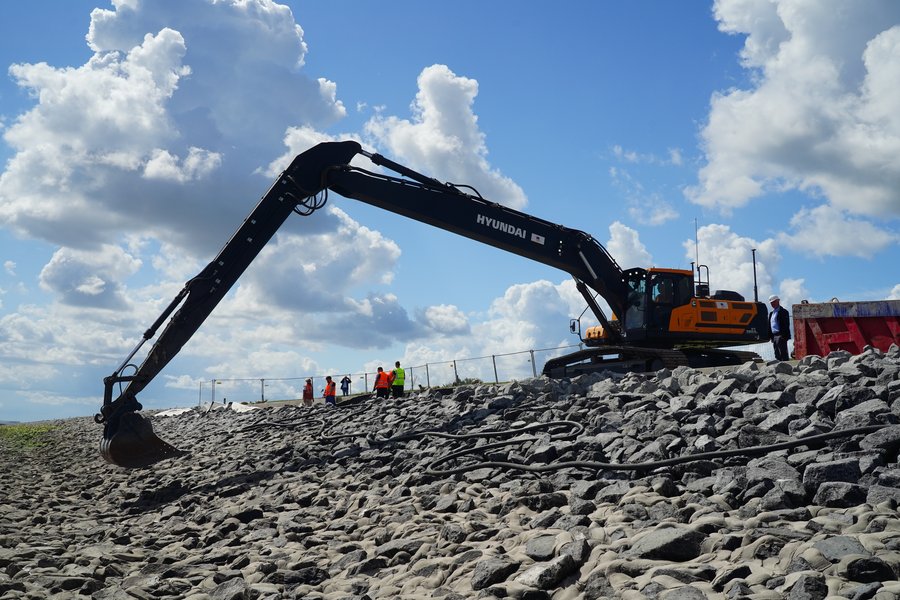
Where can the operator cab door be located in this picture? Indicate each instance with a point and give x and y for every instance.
(668, 291)
(636, 313)
(652, 296)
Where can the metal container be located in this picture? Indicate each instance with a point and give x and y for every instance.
(828, 326)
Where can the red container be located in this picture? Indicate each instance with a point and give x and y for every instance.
(851, 326)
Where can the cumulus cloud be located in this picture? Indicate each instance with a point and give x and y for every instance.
(822, 114)
(792, 291)
(446, 319)
(443, 138)
(729, 257)
(895, 293)
(161, 127)
(89, 278)
(626, 247)
(10, 267)
(829, 231)
(529, 316)
(315, 271)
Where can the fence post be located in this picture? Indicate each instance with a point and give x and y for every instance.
(494, 360)
(427, 377)
(533, 366)
(366, 375)
(262, 390)
(455, 373)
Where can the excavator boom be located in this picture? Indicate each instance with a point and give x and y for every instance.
(128, 439)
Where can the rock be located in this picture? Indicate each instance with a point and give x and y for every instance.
(546, 576)
(491, 571)
(541, 548)
(669, 543)
(869, 569)
(339, 503)
(835, 548)
(810, 586)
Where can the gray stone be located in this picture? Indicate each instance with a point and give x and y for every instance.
(836, 547)
(869, 569)
(836, 470)
(545, 576)
(541, 548)
(670, 543)
(839, 494)
(809, 586)
(685, 592)
(492, 570)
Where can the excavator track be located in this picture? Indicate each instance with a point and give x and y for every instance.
(629, 359)
(619, 359)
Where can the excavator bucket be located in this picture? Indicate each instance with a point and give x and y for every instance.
(133, 444)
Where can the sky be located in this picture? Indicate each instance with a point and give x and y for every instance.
(136, 135)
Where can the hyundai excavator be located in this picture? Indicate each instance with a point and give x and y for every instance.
(659, 317)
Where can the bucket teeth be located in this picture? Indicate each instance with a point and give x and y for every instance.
(134, 445)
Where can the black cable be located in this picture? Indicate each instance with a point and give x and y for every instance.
(644, 466)
(575, 430)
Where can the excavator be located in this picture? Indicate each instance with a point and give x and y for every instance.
(660, 318)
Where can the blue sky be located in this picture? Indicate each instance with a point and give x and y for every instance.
(136, 137)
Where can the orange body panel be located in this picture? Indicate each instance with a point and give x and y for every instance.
(707, 315)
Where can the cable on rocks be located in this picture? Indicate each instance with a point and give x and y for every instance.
(570, 430)
(644, 466)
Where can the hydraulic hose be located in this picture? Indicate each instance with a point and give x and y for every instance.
(643, 466)
(570, 430)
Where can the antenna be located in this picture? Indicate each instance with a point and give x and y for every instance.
(755, 290)
(696, 241)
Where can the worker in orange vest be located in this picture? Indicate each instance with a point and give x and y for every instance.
(308, 393)
(382, 384)
(330, 391)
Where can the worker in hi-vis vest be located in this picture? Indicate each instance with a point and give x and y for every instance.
(382, 384)
(398, 378)
(330, 391)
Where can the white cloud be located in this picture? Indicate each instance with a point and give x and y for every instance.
(443, 138)
(626, 248)
(828, 231)
(198, 164)
(528, 316)
(895, 293)
(10, 267)
(89, 278)
(673, 156)
(652, 212)
(647, 208)
(729, 257)
(446, 319)
(159, 129)
(792, 291)
(823, 113)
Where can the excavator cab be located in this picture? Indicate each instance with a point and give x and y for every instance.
(652, 296)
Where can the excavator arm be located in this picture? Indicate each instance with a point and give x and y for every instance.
(449, 207)
(128, 439)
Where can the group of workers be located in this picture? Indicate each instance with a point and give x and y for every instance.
(390, 383)
(387, 384)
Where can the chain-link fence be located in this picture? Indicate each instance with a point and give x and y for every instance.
(488, 369)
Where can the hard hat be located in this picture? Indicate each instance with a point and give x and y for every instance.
(773, 297)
